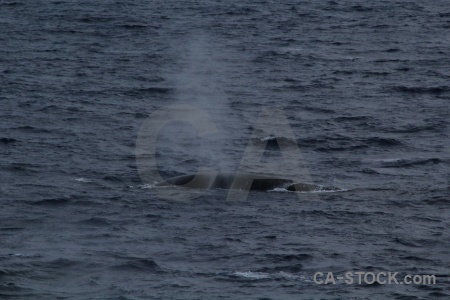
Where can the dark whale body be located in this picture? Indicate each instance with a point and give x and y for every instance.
(240, 181)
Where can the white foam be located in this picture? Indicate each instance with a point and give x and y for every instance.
(320, 190)
(268, 138)
(24, 255)
(279, 190)
(288, 276)
(252, 275)
(146, 186)
(82, 179)
(262, 275)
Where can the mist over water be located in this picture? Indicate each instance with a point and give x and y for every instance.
(200, 83)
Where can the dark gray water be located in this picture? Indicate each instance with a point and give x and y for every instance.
(366, 90)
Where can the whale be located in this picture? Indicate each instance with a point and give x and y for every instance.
(240, 181)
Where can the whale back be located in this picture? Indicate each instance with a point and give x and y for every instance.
(226, 181)
(240, 181)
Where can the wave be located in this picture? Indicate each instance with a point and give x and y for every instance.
(422, 90)
(149, 90)
(413, 128)
(138, 264)
(272, 142)
(133, 26)
(50, 202)
(96, 221)
(407, 163)
(379, 141)
(287, 257)
(7, 141)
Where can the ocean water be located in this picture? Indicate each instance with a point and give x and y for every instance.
(364, 86)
